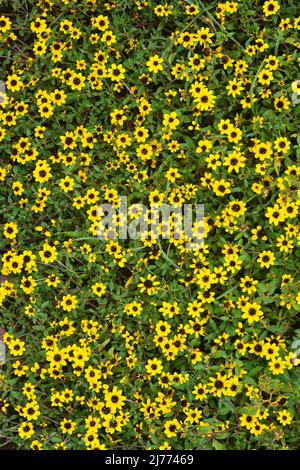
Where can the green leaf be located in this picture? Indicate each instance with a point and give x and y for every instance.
(218, 445)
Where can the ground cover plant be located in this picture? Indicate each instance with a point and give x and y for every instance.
(147, 343)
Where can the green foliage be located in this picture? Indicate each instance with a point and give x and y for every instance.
(147, 343)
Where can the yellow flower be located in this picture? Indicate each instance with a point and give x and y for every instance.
(234, 87)
(266, 259)
(271, 7)
(13, 82)
(284, 417)
(172, 174)
(36, 445)
(67, 184)
(148, 284)
(10, 230)
(277, 366)
(42, 172)
(99, 289)
(172, 427)
(221, 187)
(116, 72)
(68, 302)
(171, 120)
(154, 64)
(48, 254)
(252, 312)
(28, 284)
(248, 284)
(154, 367)
(67, 426)
(26, 430)
(5, 24)
(281, 103)
(133, 308)
(265, 77)
(31, 411)
(16, 347)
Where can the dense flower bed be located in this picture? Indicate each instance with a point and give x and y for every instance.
(149, 344)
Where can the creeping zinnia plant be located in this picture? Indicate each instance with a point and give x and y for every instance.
(149, 342)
